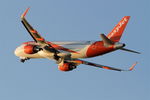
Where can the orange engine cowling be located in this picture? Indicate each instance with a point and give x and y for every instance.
(31, 49)
(67, 67)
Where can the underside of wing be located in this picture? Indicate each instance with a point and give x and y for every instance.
(48, 46)
(34, 34)
(77, 61)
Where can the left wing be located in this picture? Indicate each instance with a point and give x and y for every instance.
(48, 46)
(77, 61)
(34, 34)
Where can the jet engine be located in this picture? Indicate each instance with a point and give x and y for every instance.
(31, 49)
(67, 67)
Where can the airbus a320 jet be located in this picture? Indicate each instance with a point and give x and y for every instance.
(67, 54)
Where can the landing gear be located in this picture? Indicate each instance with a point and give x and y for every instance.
(62, 58)
(50, 49)
(24, 59)
(56, 57)
(73, 66)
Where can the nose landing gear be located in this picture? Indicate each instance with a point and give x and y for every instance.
(24, 59)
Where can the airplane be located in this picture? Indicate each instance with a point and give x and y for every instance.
(68, 55)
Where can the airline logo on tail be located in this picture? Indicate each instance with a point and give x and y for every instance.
(116, 33)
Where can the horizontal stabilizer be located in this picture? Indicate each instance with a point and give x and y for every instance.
(107, 42)
(128, 50)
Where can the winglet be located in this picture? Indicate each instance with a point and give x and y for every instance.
(24, 14)
(132, 67)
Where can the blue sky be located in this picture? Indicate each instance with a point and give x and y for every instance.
(66, 20)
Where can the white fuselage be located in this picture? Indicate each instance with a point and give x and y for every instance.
(80, 49)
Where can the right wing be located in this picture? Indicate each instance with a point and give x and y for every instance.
(77, 61)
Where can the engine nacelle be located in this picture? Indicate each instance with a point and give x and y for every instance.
(31, 49)
(67, 67)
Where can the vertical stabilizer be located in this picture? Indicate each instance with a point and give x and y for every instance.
(116, 33)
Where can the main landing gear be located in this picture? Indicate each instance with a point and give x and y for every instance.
(24, 59)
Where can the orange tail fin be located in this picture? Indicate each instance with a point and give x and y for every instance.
(116, 33)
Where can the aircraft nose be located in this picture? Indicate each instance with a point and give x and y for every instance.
(17, 51)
